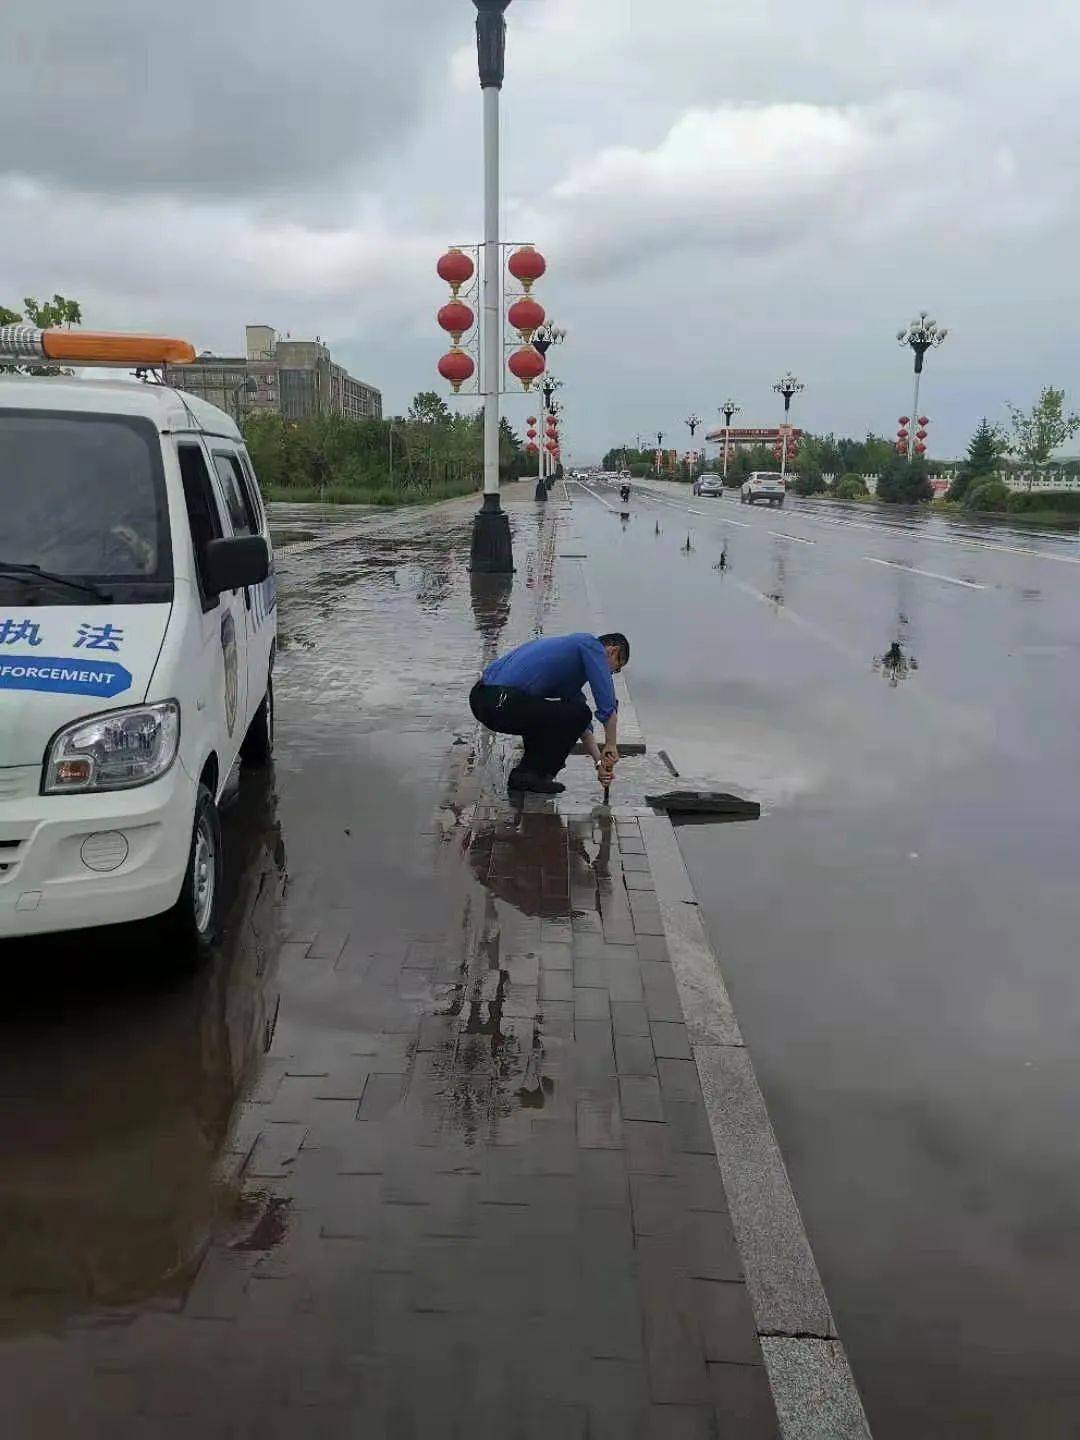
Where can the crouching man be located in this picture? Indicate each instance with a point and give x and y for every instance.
(535, 691)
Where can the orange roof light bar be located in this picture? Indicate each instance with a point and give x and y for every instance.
(90, 347)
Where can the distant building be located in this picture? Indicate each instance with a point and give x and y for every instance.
(292, 378)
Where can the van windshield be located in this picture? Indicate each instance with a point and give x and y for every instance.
(83, 500)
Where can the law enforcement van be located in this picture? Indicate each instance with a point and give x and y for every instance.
(138, 624)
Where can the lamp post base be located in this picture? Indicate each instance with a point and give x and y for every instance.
(492, 552)
(540, 493)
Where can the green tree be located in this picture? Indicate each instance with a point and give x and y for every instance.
(904, 482)
(48, 314)
(983, 459)
(1038, 432)
(429, 408)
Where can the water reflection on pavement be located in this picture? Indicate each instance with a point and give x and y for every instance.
(117, 1088)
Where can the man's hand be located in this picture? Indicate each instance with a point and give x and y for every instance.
(609, 756)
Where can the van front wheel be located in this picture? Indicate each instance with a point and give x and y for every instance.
(258, 746)
(193, 922)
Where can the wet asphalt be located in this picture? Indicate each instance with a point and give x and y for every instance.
(899, 930)
(422, 1150)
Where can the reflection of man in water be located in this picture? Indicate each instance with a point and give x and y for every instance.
(536, 692)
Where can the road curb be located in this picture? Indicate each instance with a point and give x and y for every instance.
(813, 1387)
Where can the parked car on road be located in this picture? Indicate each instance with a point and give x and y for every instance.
(767, 485)
(708, 485)
(138, 628)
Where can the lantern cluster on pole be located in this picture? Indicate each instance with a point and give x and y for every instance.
(903, 435)
(456, 317)
(551, 437)
(531, 447)
(526, 315)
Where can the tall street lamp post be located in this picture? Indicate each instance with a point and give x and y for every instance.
(659, 452)
(728, 409)
(547, 335)
(787, 386)
(491, 547)
(692, 422)
(921, 335)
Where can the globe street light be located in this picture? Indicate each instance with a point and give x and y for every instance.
(692, 421)
(547, 335)
(787, 386)
(492, 551)
(728, 409)
(921, 335)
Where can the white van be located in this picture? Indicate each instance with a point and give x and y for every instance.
(138, 624)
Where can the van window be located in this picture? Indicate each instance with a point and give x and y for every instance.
(252, 486)
(83, 497)
(244, 518)
(203, 516)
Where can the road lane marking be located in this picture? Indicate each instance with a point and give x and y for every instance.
(930, 574)
(595, 496)
(783, 535)
(915, 533)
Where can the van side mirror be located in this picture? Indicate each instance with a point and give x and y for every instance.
(232, 564)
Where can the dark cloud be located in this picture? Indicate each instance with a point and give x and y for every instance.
(213, 96)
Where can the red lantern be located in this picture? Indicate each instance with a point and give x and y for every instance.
(531, 433)
(924, 420)
(457, 367)
(920, 448)
(901, 435)
(455, 318)
(550, 446)
(905, 419)
(455, 267)
(901, 447)
(531, 420)
(526, 316)
(526, 266)
(531, 449)
(525, 365)
(551, 423)
(920, 434)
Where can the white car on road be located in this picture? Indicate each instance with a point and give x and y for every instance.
(767, 485)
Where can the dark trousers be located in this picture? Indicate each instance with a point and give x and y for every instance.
(549, 728)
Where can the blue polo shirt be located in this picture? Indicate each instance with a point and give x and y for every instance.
(557, 667)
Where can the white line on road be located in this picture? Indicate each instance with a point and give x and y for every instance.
(783, 535)
(595, 496)
(930, 574)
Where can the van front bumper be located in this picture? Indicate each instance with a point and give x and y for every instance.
(68, 862)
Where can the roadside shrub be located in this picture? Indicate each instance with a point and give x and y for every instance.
(988, 495)
(850, 487)
(809, 484)
(1066, 502)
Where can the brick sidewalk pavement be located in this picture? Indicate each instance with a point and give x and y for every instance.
(475, 1187)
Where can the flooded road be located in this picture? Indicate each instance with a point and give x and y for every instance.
(899, 930)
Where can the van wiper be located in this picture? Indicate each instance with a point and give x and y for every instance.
(30, 573)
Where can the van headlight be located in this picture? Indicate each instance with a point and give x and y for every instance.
(114, 751)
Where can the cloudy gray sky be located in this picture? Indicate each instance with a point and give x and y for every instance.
(722, 191)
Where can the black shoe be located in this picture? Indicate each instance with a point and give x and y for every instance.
(539, 784)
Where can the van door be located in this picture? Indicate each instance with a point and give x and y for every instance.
(245, 518)
(223, 678)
